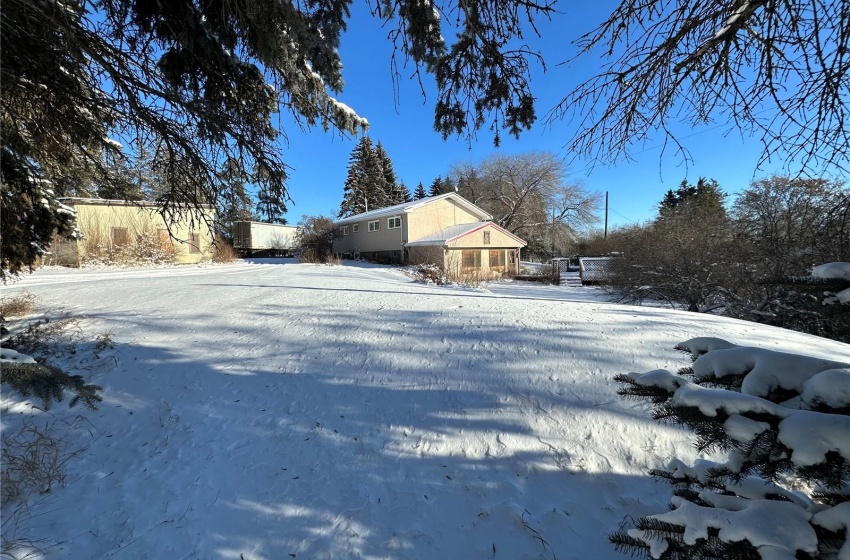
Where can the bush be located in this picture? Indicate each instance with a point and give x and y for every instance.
(316, 238)
(32, 465)
(223, 251)
(314, 256)
(428, 274)
(17, 305)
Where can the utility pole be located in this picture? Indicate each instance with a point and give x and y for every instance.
(606, 214)
(552, 232)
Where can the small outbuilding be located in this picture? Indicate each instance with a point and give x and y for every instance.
(135, 231)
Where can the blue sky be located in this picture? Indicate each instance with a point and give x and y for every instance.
(320, 159)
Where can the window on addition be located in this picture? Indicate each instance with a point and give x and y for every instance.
(194, 242)
(394, 222)
(120, 236)
(374, 225)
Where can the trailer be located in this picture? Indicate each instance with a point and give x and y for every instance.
(262, 239)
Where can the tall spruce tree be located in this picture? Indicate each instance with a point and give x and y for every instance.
(782, 492)
(390, 185)
(706, 195)
(436, 188)
(235, 202)
(419, 193)
(404, 195)
(356, 192)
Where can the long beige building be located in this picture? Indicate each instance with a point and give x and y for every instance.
(135, 230)
(445, 230)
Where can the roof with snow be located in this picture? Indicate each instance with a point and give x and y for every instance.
(71, 200)
(453, 233)
(408, 207)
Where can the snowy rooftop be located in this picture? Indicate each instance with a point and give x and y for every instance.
(449, 234)
(71, 200)
(408, 207)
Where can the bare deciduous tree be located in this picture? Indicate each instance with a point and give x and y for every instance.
(778, 70)
(527, 193)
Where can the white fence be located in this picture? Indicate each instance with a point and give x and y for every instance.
(595, 269)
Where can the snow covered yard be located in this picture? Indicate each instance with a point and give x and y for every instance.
(278, 410)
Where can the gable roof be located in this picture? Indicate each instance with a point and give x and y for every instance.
(453, 233)
(409, 207)
(74, 200)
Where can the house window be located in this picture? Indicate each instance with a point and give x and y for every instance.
(394, 222)
(120, 236)
(355, 228)
(374, 225)
(194, 242)
(343, 230)
(471, 260)
(497, 259)
(486, 237)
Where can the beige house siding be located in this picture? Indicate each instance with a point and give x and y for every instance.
(455, 265)
(477, 239)
(107, 224)
(438, 215)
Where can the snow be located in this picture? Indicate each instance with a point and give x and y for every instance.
(835, 519)
(12, 356)
(114, 144)
(776, 529)
(700, 345)
(269, 409)
(765, 369)
(839, 270)
(830, 387)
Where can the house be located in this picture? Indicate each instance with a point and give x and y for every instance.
(135, 231)
(446, 230)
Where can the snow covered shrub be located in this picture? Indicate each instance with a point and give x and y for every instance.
(783, 490)
(428, 274)
(24, 365)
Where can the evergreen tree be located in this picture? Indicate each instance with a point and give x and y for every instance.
(404, 195)
(393, 193)
(783, 420)
(234, 202)
(268, 208)
(378, 193)
(419, 193)
(357, 191)
(436, 187)
(706, 194)
(449, 185)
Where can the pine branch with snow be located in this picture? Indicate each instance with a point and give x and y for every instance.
(783, 490)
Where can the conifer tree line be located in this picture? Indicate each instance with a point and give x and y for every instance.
(371, 182)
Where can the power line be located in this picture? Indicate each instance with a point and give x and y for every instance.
(625, 218)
